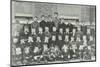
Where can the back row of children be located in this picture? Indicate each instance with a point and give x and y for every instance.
(53, 41)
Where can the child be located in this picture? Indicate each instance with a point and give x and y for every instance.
(47, 33)
(25, 33)
(66, 32)
(43, 23)
(41, 34)
(66, 40)
(33, 34)
(73, 33)
(60, 39)
(35, 23)
(31, 46)
(82, 47)
(88, 33)
(53, 36)
(91, 44)
(72, 50)
(14, 47)
(50, 23)
(79, 33)
(62, 25)
(18, 54)
(37, 50)
(27, 56)
(78, 42)
(65, 50)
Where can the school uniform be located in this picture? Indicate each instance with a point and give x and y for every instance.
(47, 34)
(43, 25)
(54, 33)
(56, 21)
(35, 25)
(34, 36)
(41, 35)
(79, 34)
(72, 50)
(68, 34)
(65, 52)
(62, 25)
(18, 55)
(27, 55)
(50, 25)
(70, 26)
(60, 42)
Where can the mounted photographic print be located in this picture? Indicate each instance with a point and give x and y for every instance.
(52, 33)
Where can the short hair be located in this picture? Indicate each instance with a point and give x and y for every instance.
(49, 16)
(35, 17)
(55, 12)
(42, 16)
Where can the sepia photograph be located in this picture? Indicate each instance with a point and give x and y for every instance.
(52, 33)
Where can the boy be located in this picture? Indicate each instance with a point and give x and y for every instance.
(53, 36)
(65, 50)
(91, 44)
(82, 47)
(47, 33)
(43, 23)
(25, 33)
(66, 32)
(60, 38)
(72, 50)
(33, 34)
(73, 33)
(56, 19)
(88, 33)
(79, 33)
(37, 50)
(35, 23)
(50, 23)
(41, 34)
(62, 25)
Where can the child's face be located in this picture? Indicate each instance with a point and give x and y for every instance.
(54, 28)
(15, 40)
(88, 30)
(38, 38)
(55, 15)
(74, 30)
(60, 37)
(62, 20)
(91, 38)
(27, 50)
(43, 18)
(72, 38)
(33, 30)
(40, 29)
(84, 37)
(26, 29)
(30, 38)
(53, 38)
(78, 39)
(16, 33)
(67, 29)
(35, 19)
(60, 30)
(46, 29)
(50, 18)
(79, 28)
(66, 38)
